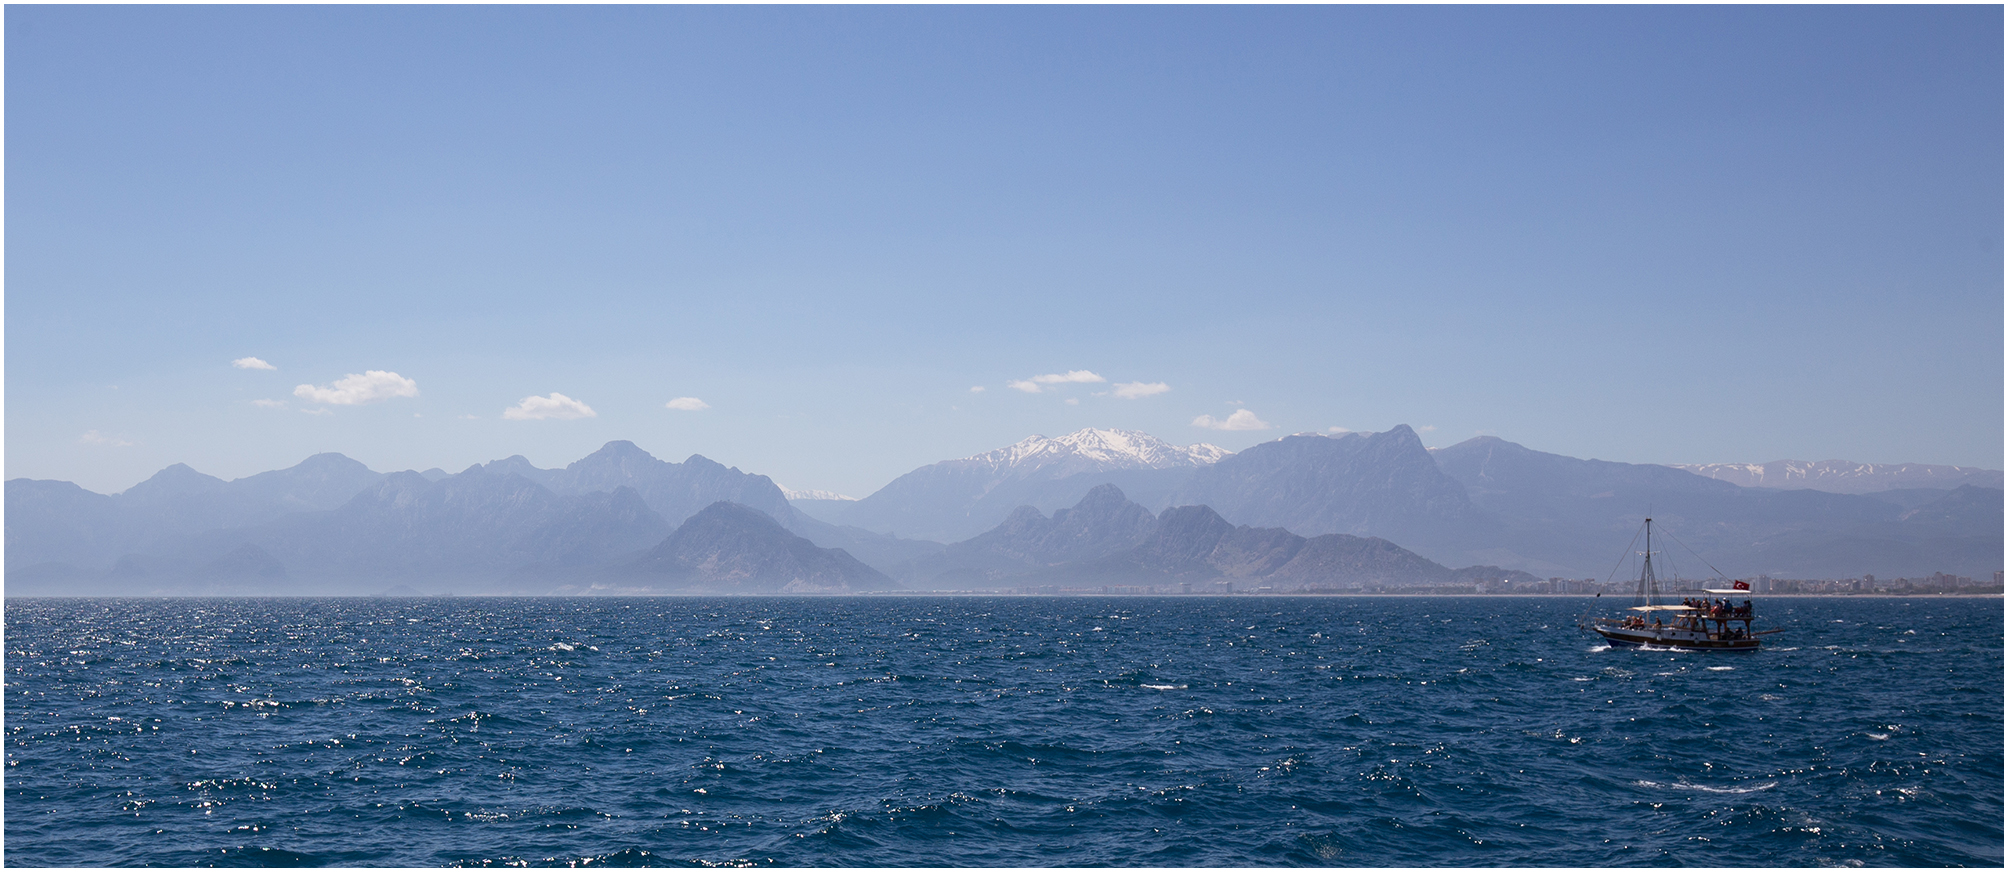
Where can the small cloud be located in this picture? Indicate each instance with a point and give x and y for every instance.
(1337, 430)
(1134, 390)
(269, 404)
(93, 437)
(373, 386)
(557, 406)
(1073, 401)
(687, 404)
(978, 389)
(1242, 419)
(1425, 428)
(251, 363)
(1079, 376)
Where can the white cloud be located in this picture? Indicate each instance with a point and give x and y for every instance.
(1242, 419)
(1425, 428)
(1079, 376)
(251, 363)
(1073, 401)
(557, 406)
(373, 386)
(687, 404)
(1337, 430)
(93, 437)
(269, 404)
(978, 389)
(1133, 390)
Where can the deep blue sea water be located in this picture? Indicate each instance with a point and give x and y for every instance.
(1175, 731)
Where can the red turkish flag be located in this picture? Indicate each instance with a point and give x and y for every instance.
(1741, 585)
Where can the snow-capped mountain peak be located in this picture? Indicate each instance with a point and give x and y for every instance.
(1095, 450)
(1844, 476)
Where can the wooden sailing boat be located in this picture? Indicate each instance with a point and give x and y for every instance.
(1695, 624)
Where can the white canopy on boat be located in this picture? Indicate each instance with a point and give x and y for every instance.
(1663, 609)
(1727, 592)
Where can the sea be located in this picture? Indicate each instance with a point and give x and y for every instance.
(993, 731)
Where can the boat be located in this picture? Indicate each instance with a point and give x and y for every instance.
(1712, 623)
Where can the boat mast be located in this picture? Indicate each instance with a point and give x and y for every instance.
(1648, 585)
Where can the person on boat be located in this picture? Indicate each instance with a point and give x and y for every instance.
(1746, 608)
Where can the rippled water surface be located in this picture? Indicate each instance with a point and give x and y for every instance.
(1009, 731)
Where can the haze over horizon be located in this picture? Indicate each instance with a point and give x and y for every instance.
(829, 245)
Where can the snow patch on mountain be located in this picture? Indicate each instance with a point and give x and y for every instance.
(1844, 476)
(794, 494)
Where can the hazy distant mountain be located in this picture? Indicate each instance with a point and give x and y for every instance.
(1565, 512)
(1367, 484)
(1958, 533)
(674, 490)
(162, 534)
(467, 530)
(1845, 476)
(728, 548)
(956, 499)
(56, 522)
(60, 522)
(678, 491)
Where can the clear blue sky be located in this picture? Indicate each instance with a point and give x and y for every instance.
(1686, 234)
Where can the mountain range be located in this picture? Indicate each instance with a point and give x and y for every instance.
(956, 499)
(1075, 507)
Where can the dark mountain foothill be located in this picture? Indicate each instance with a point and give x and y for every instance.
(1108, 540)
(728, 548)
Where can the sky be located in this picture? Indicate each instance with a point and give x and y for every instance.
(833, 244)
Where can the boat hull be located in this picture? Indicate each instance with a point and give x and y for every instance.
(1628, 638)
